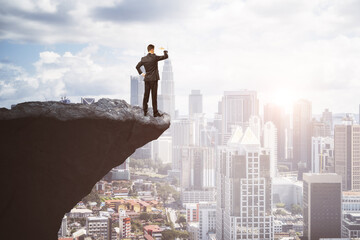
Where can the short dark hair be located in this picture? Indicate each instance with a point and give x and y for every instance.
(150, 47)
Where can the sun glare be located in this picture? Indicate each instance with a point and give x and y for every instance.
(284, 98)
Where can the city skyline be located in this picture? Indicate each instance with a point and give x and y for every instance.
(284, 50)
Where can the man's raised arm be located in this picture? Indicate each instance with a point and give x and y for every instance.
(159, 58)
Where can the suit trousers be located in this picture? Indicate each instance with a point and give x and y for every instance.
(150, 86)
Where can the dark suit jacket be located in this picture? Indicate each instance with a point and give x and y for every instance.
(150, 62)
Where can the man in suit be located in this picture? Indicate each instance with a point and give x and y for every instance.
(151, 78)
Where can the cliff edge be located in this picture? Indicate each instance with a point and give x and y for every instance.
(52, 154)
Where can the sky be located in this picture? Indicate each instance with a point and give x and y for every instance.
(283, 49)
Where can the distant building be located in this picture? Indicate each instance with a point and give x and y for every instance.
(63, 228)
(154, 231)
(143, 152)
(270, 143)
(192, 212)
(196, 196)
(99, 227)
(351, 226)
(287, 190)
(322, 155)
(124, 224)
(136, 90)
(167, 97)
(195, 102)
(302, 115)
(322, 206)
(79, 213)
(236, 109)
(197, 168)
(347, 157)
(244, 189)
(182, 133)
(351, 201)
(276, 114)
(193, 230)
(162, 149)
(87, 101)
(328, 121)
(207, 219)
(120, 172)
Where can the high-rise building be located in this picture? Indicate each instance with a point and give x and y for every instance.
(167, 97)
(124, 224)
(322, 155)
(270, 143)
(318, 128)
(347, 154)
(327, 120)
(197, 168)
(302, 134)
(243, 190)
(192, 212)
(322, 206)
(162, 149)
(99, 227)
(207, 219)
(182, 132)
(236, 109)
(136, 90)
(255, 125)
(63, 228)
(276, 114)
(199, 122)
(195, 102)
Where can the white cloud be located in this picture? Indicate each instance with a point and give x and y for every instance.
(309, 47)
(71, 74)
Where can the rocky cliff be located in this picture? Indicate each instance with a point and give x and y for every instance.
(52, 154)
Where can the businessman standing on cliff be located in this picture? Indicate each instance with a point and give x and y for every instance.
(151, 78)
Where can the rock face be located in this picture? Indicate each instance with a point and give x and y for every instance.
(52, 154)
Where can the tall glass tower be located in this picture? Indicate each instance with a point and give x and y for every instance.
(167, 97)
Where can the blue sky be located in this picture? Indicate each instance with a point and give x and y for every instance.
(283, 49)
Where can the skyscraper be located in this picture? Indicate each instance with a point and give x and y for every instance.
(182, 132)
(276, 114)
(137, 90)
(243, 190)
(302, 134)
(207, 219)
(347, 154)
(195, 102)
(236, 109)
(322, 206)
(167, 97)
(270, 143)
(322, 155)
(327, 120)
(197, 168)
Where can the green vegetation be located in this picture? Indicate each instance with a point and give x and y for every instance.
(280, 212)
(296, 209)
(164, 190)
(92, 197)
(149, 163)
(280, 205)
(283, 168)
(172, 234)
(136, 227)
(150, 217)
(181, 219)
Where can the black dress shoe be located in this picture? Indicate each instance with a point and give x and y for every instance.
(145, 114)
(158, 114)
